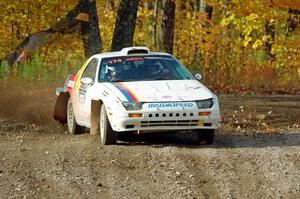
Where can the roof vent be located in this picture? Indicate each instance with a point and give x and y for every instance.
(135, 50)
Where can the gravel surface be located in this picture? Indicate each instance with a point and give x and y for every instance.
(256, 154)
(58, 165)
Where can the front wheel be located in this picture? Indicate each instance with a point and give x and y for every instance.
(206, 136)
(107, 135)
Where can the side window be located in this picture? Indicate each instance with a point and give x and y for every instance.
(91, 70)
(103, 71)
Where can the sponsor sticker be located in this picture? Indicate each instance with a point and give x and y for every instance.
(82, 97)
(135, 59)
(171, 105)
(113, 61)
(160, 58)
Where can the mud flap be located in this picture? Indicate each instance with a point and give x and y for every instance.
(95, 116)
(60, 109)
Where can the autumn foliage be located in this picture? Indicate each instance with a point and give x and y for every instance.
(249, 44)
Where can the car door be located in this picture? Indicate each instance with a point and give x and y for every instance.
(87, 81)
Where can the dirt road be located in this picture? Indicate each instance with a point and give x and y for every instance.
(256, 154)
(57, 165)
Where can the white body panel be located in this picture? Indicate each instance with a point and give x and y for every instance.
(153, 94)
(167, 104)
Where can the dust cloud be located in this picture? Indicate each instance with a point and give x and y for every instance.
(27, 104)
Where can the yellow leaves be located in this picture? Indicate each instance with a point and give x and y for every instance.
(189, 15)
(252, 17)
(257, 44)
(266, 38)
(144, 12)
(276, 49)
(251, 23)
(229, 46)
(230, 19)
(247, 40)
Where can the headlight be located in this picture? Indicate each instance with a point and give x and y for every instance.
(130, 106)
(205, 103)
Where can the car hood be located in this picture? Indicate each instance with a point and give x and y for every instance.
(160, 91)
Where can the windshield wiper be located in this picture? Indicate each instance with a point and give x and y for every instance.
(117, 80)
(160, 78)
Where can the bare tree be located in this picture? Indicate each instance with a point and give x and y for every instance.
(125, 24)
(167, 26)
(154, 25)
(82, 18)
(90, 30)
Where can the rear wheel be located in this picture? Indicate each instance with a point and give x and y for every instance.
(73, 127)
(206, 136)
(107, 135)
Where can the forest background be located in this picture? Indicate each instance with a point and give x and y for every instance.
(238, 45)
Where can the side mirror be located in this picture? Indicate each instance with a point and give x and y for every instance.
(86, 80)
(198, 76)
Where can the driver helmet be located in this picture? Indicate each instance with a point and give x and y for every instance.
(155, 69)
(115, 68)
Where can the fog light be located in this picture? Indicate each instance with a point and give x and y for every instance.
(135, 115)
(204, 113)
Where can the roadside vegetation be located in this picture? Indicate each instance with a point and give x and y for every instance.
(237, 45)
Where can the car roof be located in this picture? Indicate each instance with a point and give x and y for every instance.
(121, 54)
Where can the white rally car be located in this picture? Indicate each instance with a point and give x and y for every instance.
(136, 90)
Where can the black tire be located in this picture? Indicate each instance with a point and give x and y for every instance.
(73, 127)
(107, 135)
(206, 136)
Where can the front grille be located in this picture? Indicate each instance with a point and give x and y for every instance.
(169, 123)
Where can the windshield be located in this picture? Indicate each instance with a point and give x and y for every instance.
(142, 68)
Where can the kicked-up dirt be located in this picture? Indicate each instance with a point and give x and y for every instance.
(256, 154)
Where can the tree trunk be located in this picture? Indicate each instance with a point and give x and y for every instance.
(269, 31)
(197, 5)
(167, 26)
(110, 4)
(75, 21)
(207, 9)
(154, 25)
(182, 5)
(90, 30)
(125, 25)
(293, 20)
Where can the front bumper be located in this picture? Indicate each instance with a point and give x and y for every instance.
(156, 120)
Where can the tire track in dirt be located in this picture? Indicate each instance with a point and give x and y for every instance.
(253, 172)
(194, 174)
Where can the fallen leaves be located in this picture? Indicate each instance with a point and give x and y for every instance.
(252, 118)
